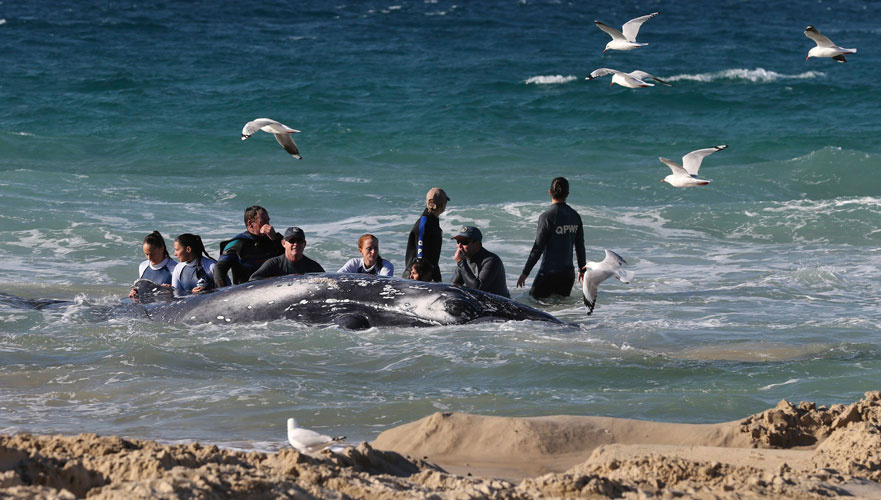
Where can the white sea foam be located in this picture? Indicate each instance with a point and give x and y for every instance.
(550, 79)
(2, 22)
(754, 75)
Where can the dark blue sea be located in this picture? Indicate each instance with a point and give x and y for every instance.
(119, 118)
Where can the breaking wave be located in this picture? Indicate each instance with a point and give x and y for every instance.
(754, 75)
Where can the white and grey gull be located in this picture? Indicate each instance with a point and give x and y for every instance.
(308, 441)
(597, 272)
(633, 80)
(281, 132)
(825, 47)
(685, 175)
(626, 38)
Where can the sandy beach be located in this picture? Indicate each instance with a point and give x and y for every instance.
(790, 451)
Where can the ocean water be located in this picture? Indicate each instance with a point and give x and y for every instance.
(119, 118)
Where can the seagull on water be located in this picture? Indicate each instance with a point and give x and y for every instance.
(633, 80)
(281, 132)
(308, 441)
(627, 39)
(597, 272)
(685, 175)
(825, 47)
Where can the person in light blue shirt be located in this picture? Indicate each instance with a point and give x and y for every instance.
(195, 271)
(370, 262)
(159, 266)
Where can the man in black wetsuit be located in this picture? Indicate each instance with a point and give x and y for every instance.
(426, 237)
(292, 262)
(477, 267)
(559, 229)
(247, 251)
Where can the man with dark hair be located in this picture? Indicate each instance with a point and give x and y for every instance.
(292, 262)
(559, 230)
(247, 251)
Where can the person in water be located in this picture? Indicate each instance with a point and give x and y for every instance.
(420, 270)
(559, 230)
(292, 261)
(195, 270)
(159, 265)
(426, 237)
(247, 251)
(370, 262)
(477, 267)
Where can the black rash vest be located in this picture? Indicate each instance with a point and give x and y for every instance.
(559, 229)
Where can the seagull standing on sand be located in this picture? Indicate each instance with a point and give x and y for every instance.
(685, 175)
(825, 47)
(281, 132)
(308, 441)
(627, 39)
(597, 272)
(633, 80)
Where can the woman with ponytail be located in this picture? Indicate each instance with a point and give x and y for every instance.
(195, 271)
(559, 231)
(159, 266)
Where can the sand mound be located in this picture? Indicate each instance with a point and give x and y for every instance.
(788, 425)
(626, 459)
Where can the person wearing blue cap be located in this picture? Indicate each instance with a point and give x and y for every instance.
(292, 261)
(477, 267)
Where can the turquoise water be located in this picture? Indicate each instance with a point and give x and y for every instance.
(123, 118)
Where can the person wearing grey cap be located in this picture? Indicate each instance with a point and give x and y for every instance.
(292, 261)
(426, 237)
(477, 267)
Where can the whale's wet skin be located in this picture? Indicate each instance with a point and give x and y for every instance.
(350, 300)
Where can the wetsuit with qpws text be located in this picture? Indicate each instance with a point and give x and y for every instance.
(244, 254)
(559, 230)
(425, 241)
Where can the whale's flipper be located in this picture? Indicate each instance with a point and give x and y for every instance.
(149, 292)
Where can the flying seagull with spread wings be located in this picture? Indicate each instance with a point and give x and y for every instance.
(281, 132)
(626, 38)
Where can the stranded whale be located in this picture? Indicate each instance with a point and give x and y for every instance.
(350, 300)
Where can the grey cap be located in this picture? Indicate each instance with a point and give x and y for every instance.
(292, 234)
(470, 233)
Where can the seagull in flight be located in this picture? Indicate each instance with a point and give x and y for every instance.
(597, 272)
(281, 132)
(633, 80)
(825, 47)
(308, 441)
(627, 39)
(685, 175)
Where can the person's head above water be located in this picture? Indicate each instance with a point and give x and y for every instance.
(436, 200)
(420, 270)
(154, 248)
(189, 246)
(368, 246)
(559, 190)
(294, 242)
(469, 239)
(257, 220)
